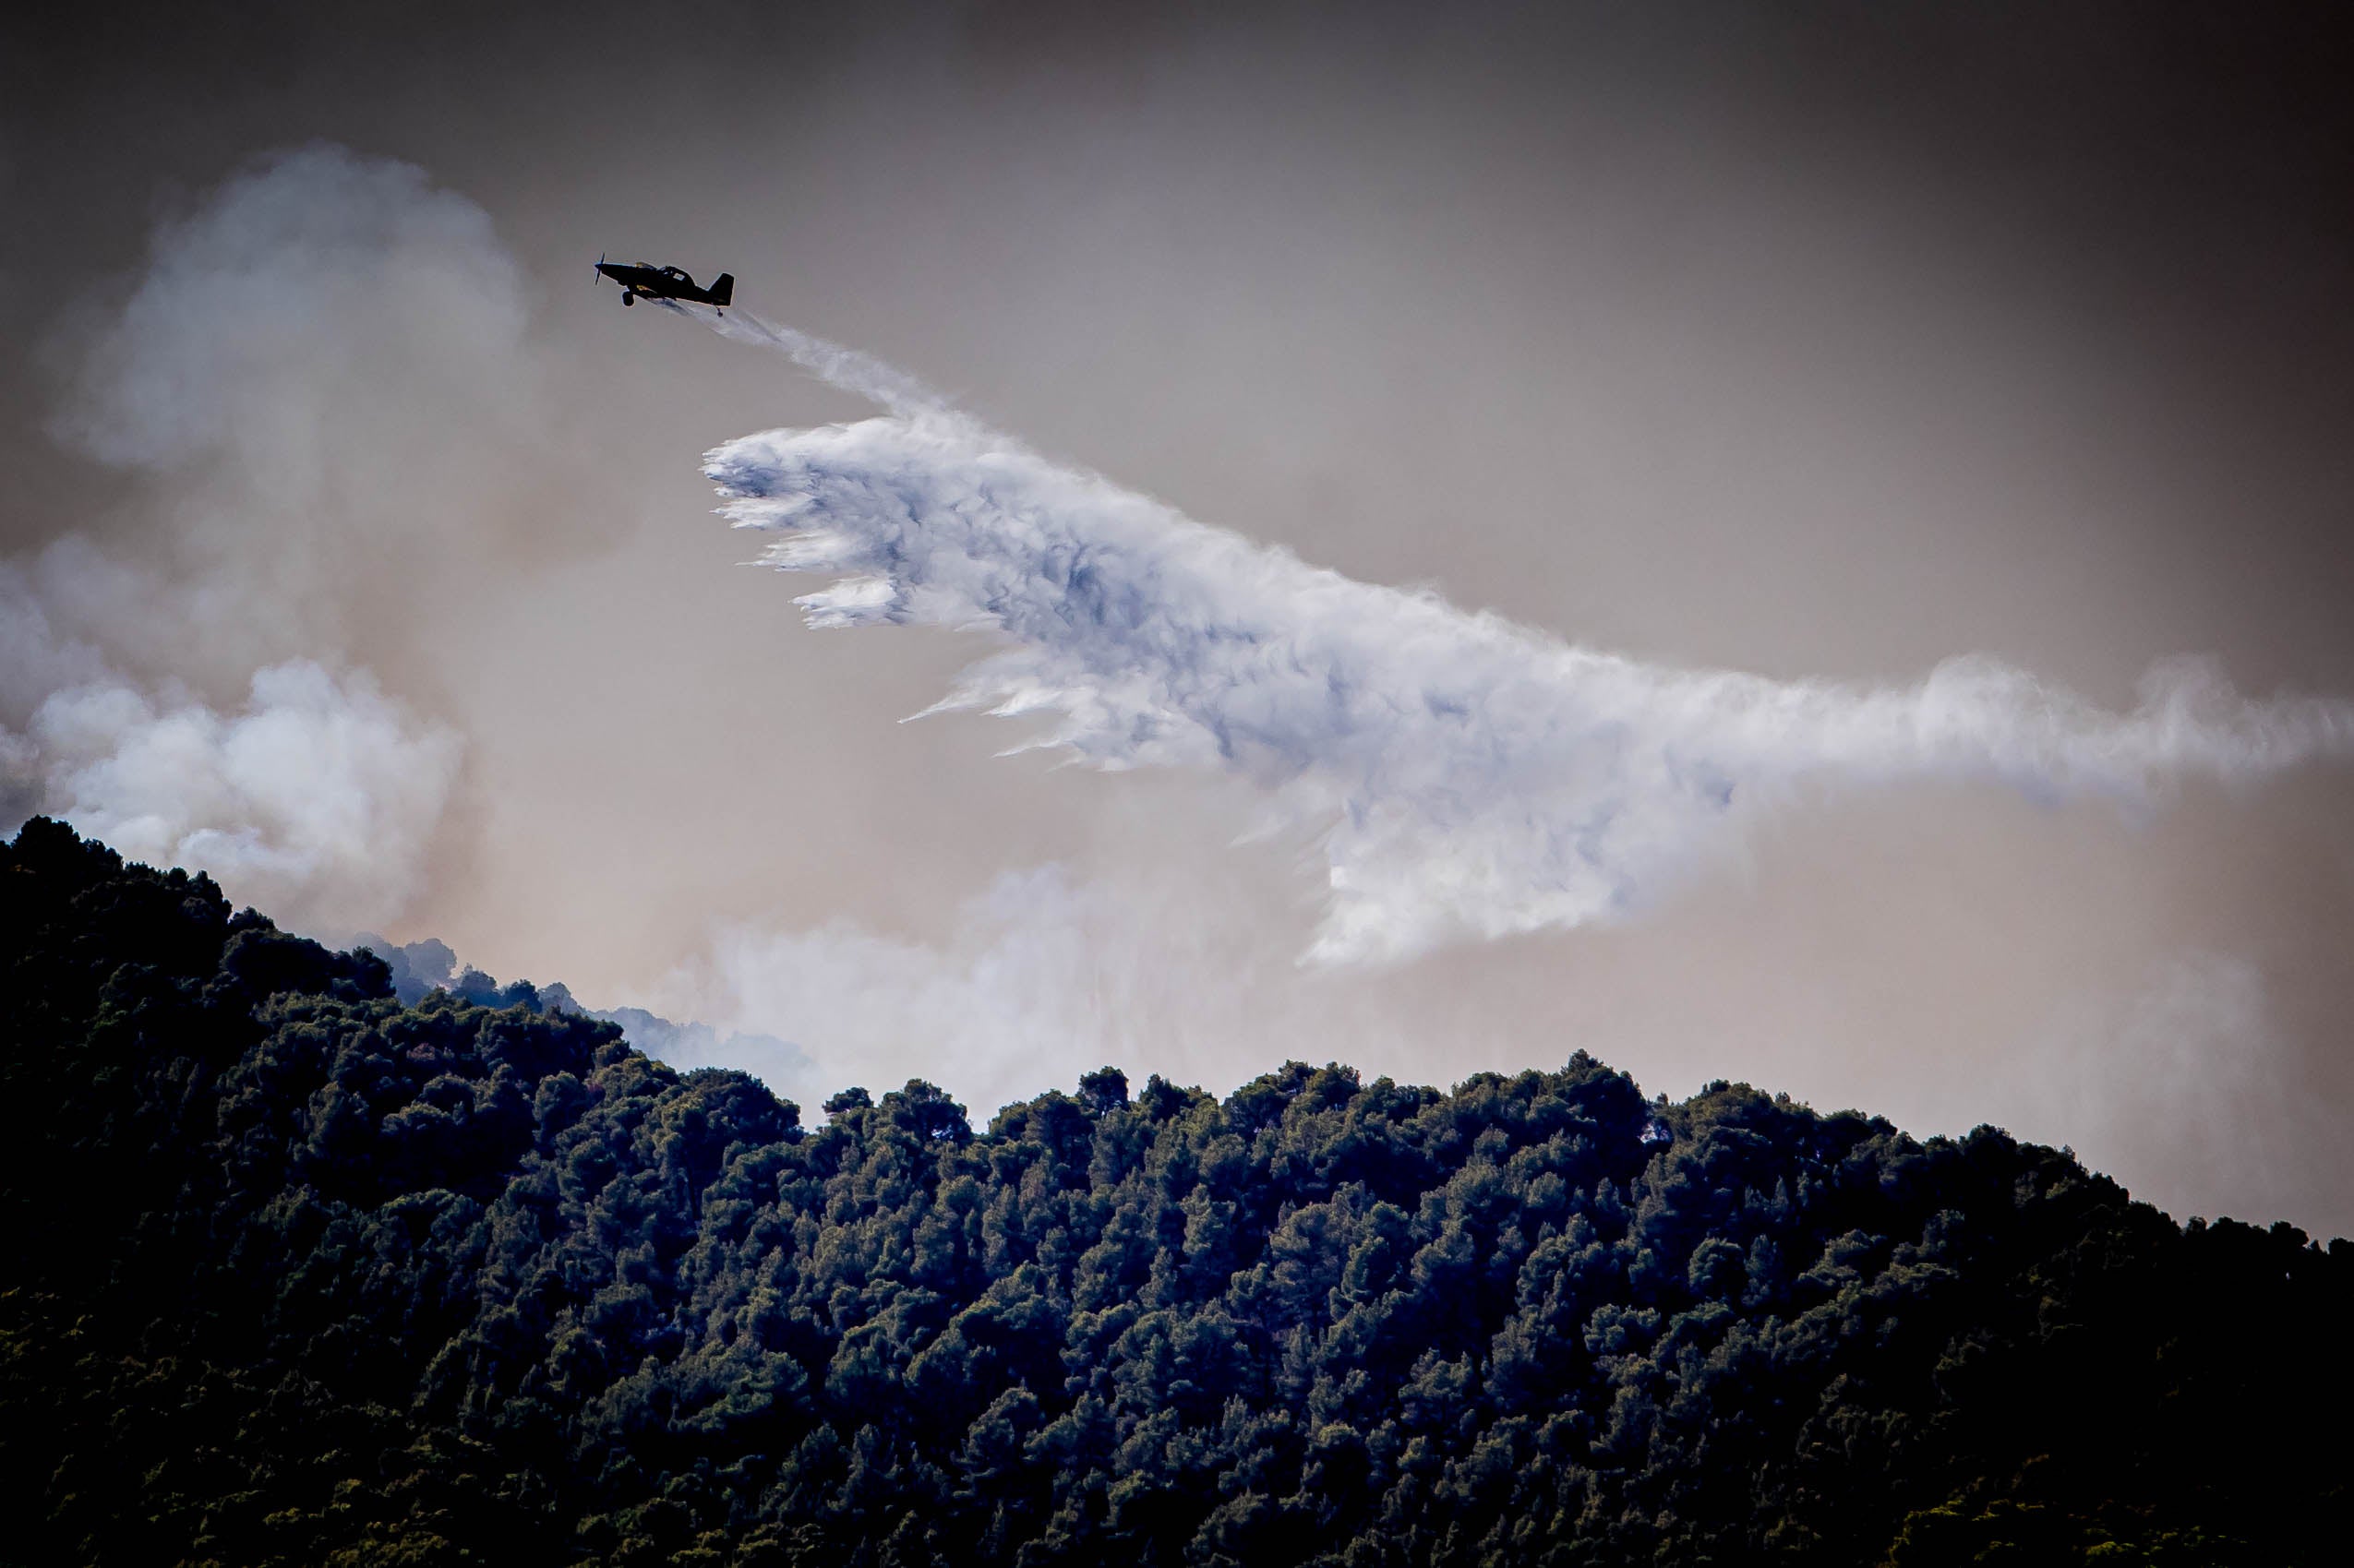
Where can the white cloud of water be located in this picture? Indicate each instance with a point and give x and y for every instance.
(1469, 777)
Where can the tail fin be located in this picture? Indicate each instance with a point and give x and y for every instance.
(722, 289)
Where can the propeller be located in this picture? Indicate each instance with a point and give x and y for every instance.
(598, 276)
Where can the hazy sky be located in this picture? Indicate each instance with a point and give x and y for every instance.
(1825, 344)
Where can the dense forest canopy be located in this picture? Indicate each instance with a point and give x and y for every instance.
(298, 1274)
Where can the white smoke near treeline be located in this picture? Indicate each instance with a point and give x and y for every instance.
(1470, 777)
(1040, 977)
(306, 388)
(313, 799)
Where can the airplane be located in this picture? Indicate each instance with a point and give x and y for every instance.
(645, 281)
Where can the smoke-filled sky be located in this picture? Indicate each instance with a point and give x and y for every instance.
(1809, 546)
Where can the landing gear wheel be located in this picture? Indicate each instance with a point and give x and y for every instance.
(629, 299)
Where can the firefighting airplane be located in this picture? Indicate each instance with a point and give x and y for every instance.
(645, 281)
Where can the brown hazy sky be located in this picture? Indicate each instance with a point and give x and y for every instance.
(1825, 341)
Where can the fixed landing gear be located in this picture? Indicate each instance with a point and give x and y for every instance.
(628, 298)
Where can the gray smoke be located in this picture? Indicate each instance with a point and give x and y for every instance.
(302, 388)
(422, 967)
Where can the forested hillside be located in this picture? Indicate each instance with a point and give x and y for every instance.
(298, 1274)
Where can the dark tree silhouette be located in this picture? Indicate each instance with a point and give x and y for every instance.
(296, 1274)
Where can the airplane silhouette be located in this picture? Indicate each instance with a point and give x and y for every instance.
(644, 279)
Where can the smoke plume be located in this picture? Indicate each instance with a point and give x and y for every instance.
(315, 386)
(313, 799)
(1470, 777)
(1040, 978)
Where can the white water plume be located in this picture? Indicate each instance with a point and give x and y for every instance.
(1471, 777)
(852, 370)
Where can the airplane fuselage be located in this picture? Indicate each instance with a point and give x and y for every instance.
(643, 280)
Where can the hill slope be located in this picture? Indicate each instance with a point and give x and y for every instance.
(295, 1274)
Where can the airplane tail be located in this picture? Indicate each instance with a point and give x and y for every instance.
(722, 289)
